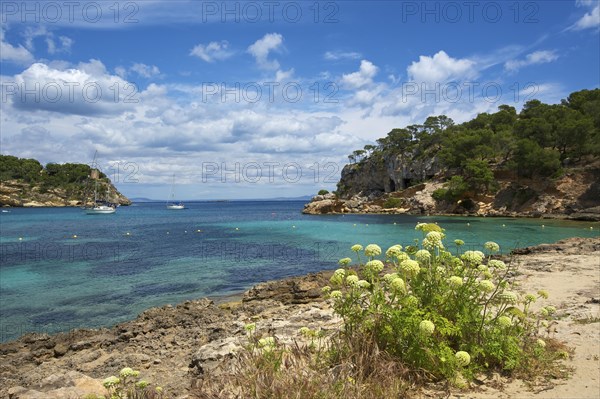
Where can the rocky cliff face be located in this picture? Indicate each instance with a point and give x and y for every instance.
(18, 193)
(381, 187)
(373, 177)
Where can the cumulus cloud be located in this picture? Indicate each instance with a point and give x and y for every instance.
(341, 55)
(537, 57)
(16, 54)
(364, 76)
(262, 47)
(589, 20)
(213, 51)
(440, 68)
(87, 89)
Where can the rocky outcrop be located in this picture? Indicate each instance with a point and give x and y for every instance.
(363, 189)
(375, 176)
(173, 346)
(16, 193)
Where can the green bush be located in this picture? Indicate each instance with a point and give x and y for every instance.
(323, 192)
(447, 314)
(392, 202)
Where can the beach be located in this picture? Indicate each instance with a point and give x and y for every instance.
(175, 346)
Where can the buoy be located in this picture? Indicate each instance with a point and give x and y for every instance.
(293, 227)
(168, 232)
(198, 231)
(237, 228)
(543, 226)
(20, 238)
(367, 225)
(74, 235)
(128, 234)
(591, 228)
(354, 224)
(185, 231)
(503, 225)
(468, 224)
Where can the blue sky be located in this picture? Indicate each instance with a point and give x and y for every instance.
(267, 99)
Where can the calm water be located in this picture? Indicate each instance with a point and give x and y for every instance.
(62, 269)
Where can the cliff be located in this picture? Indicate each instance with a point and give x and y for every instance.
(541, 161)
(400, 184)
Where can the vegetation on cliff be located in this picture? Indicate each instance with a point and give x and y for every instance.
(539, 142)
(26, 180)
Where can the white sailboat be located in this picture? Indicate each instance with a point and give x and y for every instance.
(100, 208)
(172, 204)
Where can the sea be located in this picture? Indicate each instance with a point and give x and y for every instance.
(61, 269)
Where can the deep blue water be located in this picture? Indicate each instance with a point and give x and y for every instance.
(62, 269)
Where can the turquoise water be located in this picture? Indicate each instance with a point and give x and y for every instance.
(144, 255)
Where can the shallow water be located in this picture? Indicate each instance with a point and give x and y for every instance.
(145, 255)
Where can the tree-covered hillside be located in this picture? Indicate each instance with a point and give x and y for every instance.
(538, 142)
(27, 180)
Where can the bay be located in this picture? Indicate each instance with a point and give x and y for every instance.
(62, 269)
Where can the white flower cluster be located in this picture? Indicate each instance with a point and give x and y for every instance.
(410, 267)
(473, 257)
(423, 256)
(373, 250)
(433, 240)
(426, 327)
(374, 266)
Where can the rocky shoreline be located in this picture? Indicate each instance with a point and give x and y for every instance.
(18, 194)
(175, 346)
(418, 201)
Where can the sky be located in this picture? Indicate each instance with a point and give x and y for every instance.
(263, 99)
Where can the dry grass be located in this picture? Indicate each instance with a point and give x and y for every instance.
(306, 372)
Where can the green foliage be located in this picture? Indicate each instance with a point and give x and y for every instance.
(454, 190)
(449, 315)
(323, 192)
(392, 203)
(536, 141)
(11, 167)
(532, 160)
(70, 177)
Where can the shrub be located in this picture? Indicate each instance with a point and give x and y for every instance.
(392, 202)
(323, 192)
(447, 315)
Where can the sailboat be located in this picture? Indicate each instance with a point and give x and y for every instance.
(100, 207)
(170, 203)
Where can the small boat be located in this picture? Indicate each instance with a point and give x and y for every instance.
(100, 207)
(173, 205)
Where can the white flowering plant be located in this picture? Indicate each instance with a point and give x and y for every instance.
(128, 385)
(451, 315)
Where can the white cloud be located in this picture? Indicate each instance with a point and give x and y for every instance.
(213, 51)
(64, 44)
(87, 89)
(441, 68)
(340, 55)
(262, 47)
(537, 57)
(364, 76)
(145, 71)
(281, 76)
(10, 53)
(589, 20)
